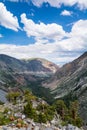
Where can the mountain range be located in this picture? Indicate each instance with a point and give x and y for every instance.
(22, 71)
(46, 79)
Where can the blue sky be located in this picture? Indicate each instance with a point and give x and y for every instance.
(48, 29)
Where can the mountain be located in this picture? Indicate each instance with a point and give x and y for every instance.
(40, 65)
(46, 79)
(11, 68)
(70, 82)
(32, 65)
(25, 73)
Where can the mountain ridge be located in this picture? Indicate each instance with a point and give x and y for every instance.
(71, 79)
(15, 72)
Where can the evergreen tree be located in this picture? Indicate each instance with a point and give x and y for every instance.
(29, 110)
(60, 107)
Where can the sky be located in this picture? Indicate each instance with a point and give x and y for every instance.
(52, 29)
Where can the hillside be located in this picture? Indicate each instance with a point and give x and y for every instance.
(25, 73)
(11, 68)
(70, 82)
(25, 111)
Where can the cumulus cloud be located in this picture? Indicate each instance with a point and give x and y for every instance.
(52, 42)
(79, 29)
(46, 51)
(42, 31)
(66, 13)
(7, 19)
(60, 51)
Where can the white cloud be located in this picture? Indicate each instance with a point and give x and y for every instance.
(60, 52)
(53, 3)
(7, 19)
(47, 51)
(82, 4)
(66, 13)
(79, 29)
(42, 31)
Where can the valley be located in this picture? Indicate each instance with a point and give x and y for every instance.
(47, 80)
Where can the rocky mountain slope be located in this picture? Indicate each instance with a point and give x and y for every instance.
(40, 65)
(14, 72)
(70, 82)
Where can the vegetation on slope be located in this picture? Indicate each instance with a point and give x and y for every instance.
(42, 113)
